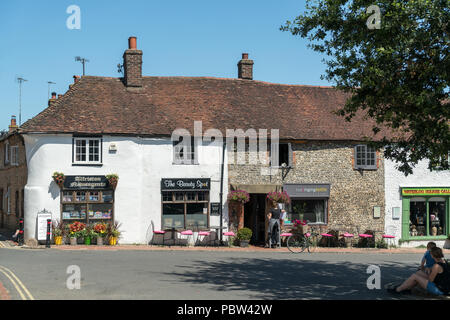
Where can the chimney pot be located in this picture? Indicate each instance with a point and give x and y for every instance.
(132, 43)
(53, 95)
(245, 56)
(75, 79)
(13, 126)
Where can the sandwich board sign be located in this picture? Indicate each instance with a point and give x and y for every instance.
(42, 225)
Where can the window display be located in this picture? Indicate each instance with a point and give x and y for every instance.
(185, 210)
(88, 205)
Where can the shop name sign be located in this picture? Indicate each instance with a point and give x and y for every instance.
(307, 190)
(185, 184)
(426, 191)
(86, 182)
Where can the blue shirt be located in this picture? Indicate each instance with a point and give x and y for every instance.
(429, 261)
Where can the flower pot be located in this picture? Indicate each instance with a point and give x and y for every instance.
(99, 241)
(243, 243)
(112, 241)
(73, 241)
(87, 241)
(58, 240)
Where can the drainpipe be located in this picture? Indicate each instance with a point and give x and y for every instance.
(221, 191)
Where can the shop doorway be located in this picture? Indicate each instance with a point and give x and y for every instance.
(254, 217)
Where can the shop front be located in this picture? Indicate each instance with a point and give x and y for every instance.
(87, 199)
(185, 203)
(308, 202)
(425, 213)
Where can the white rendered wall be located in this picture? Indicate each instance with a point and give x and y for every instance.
(394, 180)
(140, 163)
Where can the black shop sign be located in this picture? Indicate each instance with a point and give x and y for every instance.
(85, 182)
(185, 184)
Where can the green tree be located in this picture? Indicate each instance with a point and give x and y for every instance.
(397, 73)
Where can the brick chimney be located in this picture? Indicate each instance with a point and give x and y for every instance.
(132, 64)
(245, 68)
(13, 126)
(52, 99)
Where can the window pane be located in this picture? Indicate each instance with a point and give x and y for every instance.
(179, 196)
(74, 212)
(107, 196)
(190, 196)
(203, 196)
(81, 196)
(313, 211)
(100, 211)
(173, 215)
(417, 218)
(437, 218)
(94, 196)
(167, 196)
(197, 215)
(67, 196)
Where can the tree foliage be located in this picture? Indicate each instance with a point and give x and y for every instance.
(397, 74)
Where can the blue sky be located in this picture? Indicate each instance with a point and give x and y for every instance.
(178, 38)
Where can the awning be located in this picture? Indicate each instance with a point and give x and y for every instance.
(256, 188)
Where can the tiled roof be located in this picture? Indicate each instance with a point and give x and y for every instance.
(101, 105)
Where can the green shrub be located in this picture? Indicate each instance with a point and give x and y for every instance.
(244, 234)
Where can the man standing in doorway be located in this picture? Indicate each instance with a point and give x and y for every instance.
(274, 216)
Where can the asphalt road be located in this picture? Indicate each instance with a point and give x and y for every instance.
(203, 275)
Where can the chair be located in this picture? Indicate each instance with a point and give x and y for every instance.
(388, 238)
(229, 234)
(204, 234)
(347, 236)
(328, 237)
(187, 233)
(156, 232)
(365, 236)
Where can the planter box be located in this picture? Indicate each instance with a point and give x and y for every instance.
(243, 243)
(73, 241)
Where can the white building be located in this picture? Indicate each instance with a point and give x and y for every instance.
(417, 205)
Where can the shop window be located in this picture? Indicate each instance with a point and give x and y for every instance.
(313, 211)
(87, 150)
(184, 152)
(185, 209)
(87, 206)
(365, 157)
(418, 217)
(437, 217)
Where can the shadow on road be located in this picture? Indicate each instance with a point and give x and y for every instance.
(293, 279)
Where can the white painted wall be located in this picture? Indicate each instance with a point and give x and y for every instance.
(394, 180)
(141, 163)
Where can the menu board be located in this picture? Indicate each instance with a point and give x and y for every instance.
(42, 224)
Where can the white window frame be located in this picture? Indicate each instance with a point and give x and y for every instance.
(362, 149)
(14, 155)
(275, 152)
(87, 141)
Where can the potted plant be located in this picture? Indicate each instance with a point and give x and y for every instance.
(100, 232)
(278, 197)
(113, 179)
(244, 235)
(58, 231)
(88, 233)
(113, 233)
(59, 178)
(239, 196)
(76, 230)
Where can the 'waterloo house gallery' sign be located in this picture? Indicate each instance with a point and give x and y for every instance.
(426, 191)
(185, 184)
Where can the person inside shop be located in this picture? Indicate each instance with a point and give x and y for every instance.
(274, 217)
(437, 283)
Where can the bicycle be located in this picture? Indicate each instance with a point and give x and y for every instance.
(298, 242)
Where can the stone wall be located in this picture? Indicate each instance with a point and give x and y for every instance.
(353, 193)
(14, 177)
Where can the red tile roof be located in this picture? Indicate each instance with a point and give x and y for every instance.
(101, 105)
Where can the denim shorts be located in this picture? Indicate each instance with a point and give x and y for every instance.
(431, 288)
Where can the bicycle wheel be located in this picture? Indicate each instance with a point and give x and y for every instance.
(295, 243)
(311, 243)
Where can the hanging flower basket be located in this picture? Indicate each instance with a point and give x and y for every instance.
(59, 178)
(239, 196)
(113, 179)
(278, 197)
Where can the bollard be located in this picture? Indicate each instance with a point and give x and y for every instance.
(49, 225)
(20, 235)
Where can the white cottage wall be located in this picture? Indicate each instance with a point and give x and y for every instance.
(141, 163)
(394, 180)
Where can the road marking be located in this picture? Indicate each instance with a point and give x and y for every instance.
(17, 283)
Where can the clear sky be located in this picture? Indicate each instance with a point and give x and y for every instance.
(178, 38)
